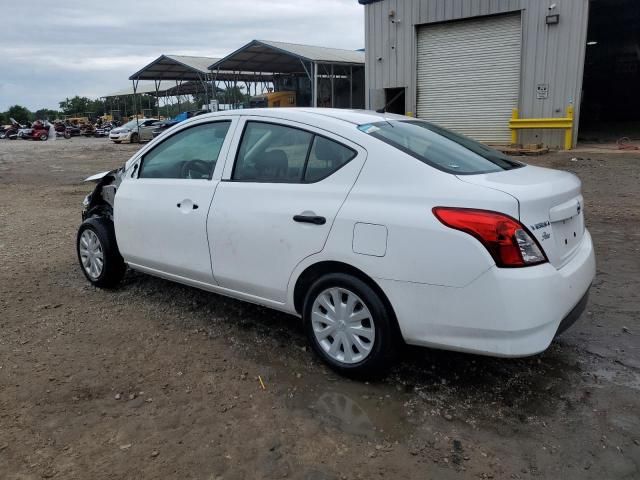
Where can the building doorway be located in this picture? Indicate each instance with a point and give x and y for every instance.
(610, 107)
(394, 100)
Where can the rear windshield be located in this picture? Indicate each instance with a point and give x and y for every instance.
(440, 148)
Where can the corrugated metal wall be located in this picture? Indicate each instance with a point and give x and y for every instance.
(551, 54)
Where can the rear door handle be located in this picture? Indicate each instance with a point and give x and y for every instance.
(315, 219)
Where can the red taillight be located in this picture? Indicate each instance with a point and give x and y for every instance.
(506, 239)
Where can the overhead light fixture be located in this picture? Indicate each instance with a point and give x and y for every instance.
(593, 42)
(553, 19)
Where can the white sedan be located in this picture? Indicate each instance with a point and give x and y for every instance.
(374, 228)
(140, 130)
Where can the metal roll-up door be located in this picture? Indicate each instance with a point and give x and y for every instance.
(469, 75)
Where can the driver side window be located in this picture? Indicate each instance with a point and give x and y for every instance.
(189, 154)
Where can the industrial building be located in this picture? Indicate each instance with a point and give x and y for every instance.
(467, 64)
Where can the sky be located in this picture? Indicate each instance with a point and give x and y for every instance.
(53, 50)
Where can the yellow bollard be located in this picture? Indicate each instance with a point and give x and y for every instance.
(568, 133)
(516, 123)
(514, 133)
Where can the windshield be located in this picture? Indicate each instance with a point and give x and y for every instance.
(133, 123)
(440, 148)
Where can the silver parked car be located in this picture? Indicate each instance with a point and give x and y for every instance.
(140, 130)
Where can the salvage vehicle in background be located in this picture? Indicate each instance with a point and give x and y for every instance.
(87, 130)
(163, 126)
(134, 131)
(374, 228)
(4, 129)
(39, 131)
(104, 129)
(17, 130)
(73, 130)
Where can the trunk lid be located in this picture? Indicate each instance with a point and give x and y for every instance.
(550, 203)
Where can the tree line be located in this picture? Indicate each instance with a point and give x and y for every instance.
(86, 107)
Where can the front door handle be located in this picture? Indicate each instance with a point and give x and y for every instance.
(187, 205)
(315, 219)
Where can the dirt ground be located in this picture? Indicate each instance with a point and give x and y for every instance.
(158, 380)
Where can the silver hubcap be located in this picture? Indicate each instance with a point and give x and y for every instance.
(342, 325)
(91, 254)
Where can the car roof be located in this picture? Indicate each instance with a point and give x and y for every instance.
(356, 117)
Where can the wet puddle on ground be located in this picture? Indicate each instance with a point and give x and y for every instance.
(356, 409)
(626, 378)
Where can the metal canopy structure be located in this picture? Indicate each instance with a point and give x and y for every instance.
(178, 68)
(281, 57)
(175, 67)
(187, 68)
(125, 96)
(335, 76)
(189, 75)
(186, 88)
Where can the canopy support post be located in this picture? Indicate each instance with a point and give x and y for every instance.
(135, 109)
(351, 87)
(332, 95)
(157, 85)
(314, 96)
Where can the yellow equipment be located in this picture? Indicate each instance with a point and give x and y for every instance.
(77, 120)
(273, 100)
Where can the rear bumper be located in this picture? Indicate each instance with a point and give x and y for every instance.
(504, 312)
(573, 315)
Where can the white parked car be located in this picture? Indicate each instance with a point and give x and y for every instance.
(371, 227)
(140, 130)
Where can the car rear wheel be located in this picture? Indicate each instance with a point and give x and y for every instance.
(98, 253)
(134, 138)
(43, 137)
(348, 325)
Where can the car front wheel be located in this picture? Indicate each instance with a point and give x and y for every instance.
(348, 325)
(98, 253)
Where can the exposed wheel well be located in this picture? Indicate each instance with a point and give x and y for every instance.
(312, 273)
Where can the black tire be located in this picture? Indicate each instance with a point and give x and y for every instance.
(113, 267)
(43, 137)
(134, 138)
(67, 135)
(381, 355)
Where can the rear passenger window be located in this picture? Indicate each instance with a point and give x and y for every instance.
(271, 153)
(326, 157)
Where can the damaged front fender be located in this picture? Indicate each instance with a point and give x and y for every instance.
(99, 203)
